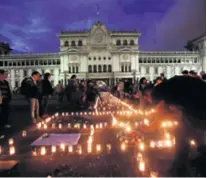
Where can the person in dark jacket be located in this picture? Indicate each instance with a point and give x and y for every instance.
(5, 100)
(186, 96)
(33, 95)
(47, 90)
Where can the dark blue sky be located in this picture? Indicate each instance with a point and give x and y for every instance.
(33, 25)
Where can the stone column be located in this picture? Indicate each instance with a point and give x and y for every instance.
(29, 72)
(12, 79)
(21, 75)
(56, 76)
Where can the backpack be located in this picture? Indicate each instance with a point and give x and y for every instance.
(24, 87)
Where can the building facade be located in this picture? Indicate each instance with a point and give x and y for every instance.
(101, 54)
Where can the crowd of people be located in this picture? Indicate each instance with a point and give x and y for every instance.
(185, 94)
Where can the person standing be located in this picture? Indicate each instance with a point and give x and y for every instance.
(47, 90)
(60, 92)
(5, 99)
(30, 89)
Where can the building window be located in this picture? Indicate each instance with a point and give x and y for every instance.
(109, 68)
(125, 42)
(36, 62)
(147, 70)
(49, 62)
(25, 73)
(156, 70)
(10, 63)
(73, 43)
(99, 58)
(14, 63)
(140, 60)
(104, 58)
(69, 69)
(99, 68)
(179, 61)
(73, 69)
(130, 68)
(162, 61)
(118, 42)
(149, 60)
(58, 62)
(5, 63)
(1, 63)
(126, 70)
(16, 84)
(77, 69)
(89, 68)
(153, 60)
(89, 58)
(94, 69)
(45, 63)
(104, 68)
(195, 60)
(122, 68)
(80, 43)
(144, 60)
(170, 60)
(32, 62)
(109, 58)
(174, 61)
(131, 42)
(94, 58)
(66, 43)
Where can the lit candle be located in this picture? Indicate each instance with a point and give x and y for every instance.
(123, 146)
(175, 123)
(11, 141)
(24, 133)
(34, 152)
(153, 174)
(168, 143)
(97, 126)
(69, 125)
(70, 149)
(169, 123)
(80, 150)
(152, 144)
(62, 146)
(89, 148)
(108, 146)
(98, 147)
(43, 151)
(141, 146)
(63, 114)
(39, 125)
(53, 149)
(192, 143)
(84, 126)
(72, 113)
(146, 122)
(167, 135)
(128, 129)
(164, 124)
(53, 125)
(60, 126)
(45, 126)
(142, 166)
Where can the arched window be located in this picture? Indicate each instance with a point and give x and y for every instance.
(126, 70)
(80, 43)
(174, 61)
(109, 68)
(99, 68)
(140, 60)
(66, 43)
(69, 69)
(130, 68)
(118, 42)
(73, 43)
(77, 69)
(94, 69)
(122, 68)
(73, 69)
(89, 68)
(162, 61)
(58, 62)
(104, 68)
(125, 42)
(131, 42)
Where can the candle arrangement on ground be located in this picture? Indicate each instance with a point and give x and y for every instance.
(113, 128)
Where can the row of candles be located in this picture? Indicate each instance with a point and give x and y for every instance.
(42, 125)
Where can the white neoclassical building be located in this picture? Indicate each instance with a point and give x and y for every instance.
(102, 54)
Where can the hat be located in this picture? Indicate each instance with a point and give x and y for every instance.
(2, 71)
